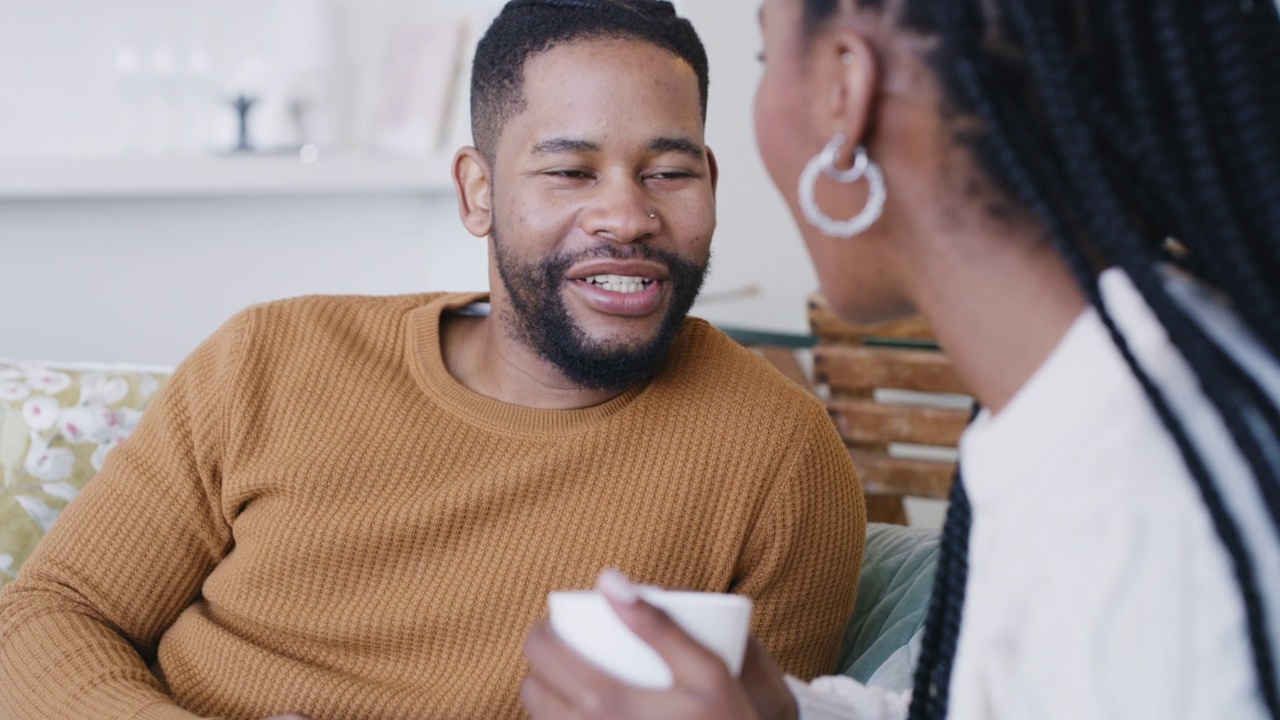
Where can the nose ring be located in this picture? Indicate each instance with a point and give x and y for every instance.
(653, 216)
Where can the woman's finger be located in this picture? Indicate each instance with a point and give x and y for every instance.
(758, 665)
(542, 702)
(691, 663)
(764, 684)
(565, 673)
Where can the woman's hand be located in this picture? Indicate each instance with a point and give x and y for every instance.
(562, 684)
(764, 683)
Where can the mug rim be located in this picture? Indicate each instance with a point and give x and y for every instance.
(657, 596)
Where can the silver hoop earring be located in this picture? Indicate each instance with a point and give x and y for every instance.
(825, 164)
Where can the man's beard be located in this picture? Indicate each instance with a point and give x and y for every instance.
(542, 321)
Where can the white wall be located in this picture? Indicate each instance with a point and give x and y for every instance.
(144, 281)
(139, 281)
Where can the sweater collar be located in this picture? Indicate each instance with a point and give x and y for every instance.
(426, 357)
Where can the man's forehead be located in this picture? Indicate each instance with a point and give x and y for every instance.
(586, 95)
(582, 145)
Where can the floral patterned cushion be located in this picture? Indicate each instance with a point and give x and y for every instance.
(57, 423)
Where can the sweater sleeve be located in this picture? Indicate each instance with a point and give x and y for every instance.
(802, 558)
(83, 619)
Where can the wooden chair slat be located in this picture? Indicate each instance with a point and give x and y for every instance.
(856, 361)
(861, 421)
(885, 509)
(860, 368)
(884, 475)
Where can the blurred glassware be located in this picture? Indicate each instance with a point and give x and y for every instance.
(167, 90)
(197, 104)
(135, 87)
(162, 107)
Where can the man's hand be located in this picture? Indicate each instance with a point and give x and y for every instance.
(562, 684)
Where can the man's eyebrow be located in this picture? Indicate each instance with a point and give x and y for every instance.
(677, 145)
(556, 146)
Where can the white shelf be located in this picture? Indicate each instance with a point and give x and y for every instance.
(230, 176)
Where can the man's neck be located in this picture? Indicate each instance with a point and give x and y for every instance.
(481, 355)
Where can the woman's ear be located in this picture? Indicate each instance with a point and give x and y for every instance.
(854, 84)
(471, 180)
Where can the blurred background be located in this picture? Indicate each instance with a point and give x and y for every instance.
(163, 165)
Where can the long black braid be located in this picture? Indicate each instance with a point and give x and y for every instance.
(942, 622)
(1123, 124)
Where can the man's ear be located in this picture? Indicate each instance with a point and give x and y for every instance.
(854, 83)
(471, 180)
(715, 169)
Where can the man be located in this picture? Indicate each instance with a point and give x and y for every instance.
(354, 507)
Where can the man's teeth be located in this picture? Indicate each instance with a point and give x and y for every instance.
(620, 283)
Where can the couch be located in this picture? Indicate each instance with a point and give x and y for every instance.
(58, 422)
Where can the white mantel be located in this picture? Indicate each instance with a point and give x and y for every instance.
(213, 177)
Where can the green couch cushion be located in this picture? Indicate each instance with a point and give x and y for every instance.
(881, 641)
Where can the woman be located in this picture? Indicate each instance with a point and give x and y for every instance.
(1083, 198)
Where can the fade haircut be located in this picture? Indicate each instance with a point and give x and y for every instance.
(528, 27)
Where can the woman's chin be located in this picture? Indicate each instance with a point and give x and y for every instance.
(863, 310)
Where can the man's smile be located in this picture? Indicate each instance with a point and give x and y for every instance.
(633, 288)
(620, 283)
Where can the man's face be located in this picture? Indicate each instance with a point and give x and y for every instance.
(603, 209)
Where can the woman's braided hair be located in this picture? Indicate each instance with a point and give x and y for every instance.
(1140, 133)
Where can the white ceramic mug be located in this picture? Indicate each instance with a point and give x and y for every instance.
(585, 622)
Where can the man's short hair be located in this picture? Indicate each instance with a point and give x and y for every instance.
(528, 27)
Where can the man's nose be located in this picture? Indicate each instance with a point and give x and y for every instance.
(623, 212)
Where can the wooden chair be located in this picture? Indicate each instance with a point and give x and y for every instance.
(897, 403)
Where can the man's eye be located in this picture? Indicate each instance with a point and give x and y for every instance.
(672, 175)
(570, 174)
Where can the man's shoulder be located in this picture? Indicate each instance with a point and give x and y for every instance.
(344, 313)
(309, 307)
(333, 323)
(713, 388)
(707, 366)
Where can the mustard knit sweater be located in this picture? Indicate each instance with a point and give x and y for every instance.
(315, 517)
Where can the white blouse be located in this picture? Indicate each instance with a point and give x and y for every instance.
(1097, 585)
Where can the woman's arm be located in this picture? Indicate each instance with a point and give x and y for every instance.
(562, 684)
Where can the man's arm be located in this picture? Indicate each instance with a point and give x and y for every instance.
(86, 613)
(802, 559)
